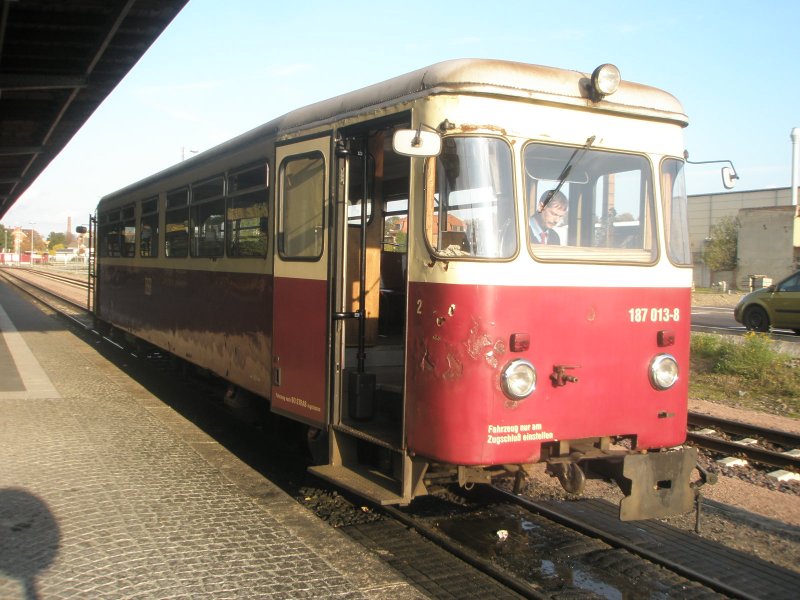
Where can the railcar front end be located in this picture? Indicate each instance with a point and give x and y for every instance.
(572, 350)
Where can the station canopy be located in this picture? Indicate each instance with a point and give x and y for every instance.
(58, 62)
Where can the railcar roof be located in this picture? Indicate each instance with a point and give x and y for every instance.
(470, 76)
(502, 78)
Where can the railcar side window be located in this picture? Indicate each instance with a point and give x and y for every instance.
(128, 231)
(355, 189)
(395, 225)
(676, 220)
(470, 200)
(591, 205)
(176, 227)
(302, 203)
(247, 216)
(109, 229)
(207, 218)
(148, 229)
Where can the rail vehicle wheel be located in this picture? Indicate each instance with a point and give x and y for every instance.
(317, 440)
(571, 477)
(756, 319)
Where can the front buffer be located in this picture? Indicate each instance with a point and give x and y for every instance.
(657, 484)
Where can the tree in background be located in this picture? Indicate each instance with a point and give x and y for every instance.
(57, 241)
(720, 251)
(39, 243)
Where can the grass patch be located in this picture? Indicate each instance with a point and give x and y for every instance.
(747, 373)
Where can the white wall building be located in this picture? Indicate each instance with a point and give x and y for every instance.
(766, 247)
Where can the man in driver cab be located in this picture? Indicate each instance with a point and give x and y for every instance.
(549, 213)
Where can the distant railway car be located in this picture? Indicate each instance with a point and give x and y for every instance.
(452, 275)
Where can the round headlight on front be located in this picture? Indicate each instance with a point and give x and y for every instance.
(518, 379)
(663, 371)
(605, 80)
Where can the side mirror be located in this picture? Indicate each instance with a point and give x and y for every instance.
(728, 177)
(728, 173)
(81, 229)
(415, 142)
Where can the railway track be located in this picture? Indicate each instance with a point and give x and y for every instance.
(761, 445)
(62, 277)
(538, 547)
(71, 305)
(595, 553)
(729, 572)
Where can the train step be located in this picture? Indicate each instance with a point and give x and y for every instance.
(365, 482)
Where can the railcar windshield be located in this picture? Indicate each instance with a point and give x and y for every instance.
(676, 226)
(600, 209)
(470, 199)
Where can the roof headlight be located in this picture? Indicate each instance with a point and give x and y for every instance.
(518, 379)
(605, 81)
(663, 371)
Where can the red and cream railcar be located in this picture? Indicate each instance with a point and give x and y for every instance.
(373, 266)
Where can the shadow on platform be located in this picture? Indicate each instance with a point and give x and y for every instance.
(29, 538)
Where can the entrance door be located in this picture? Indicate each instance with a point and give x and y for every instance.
(372, 284)
(301, 333)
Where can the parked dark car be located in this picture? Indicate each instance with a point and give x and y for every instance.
(775, 306)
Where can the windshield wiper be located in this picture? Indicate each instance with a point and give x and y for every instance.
(565, 172)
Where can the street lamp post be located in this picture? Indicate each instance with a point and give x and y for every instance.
(32, 224)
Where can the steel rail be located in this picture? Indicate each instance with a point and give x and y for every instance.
(758, 455)
(58, 277)
(774, 436)
(22, 283)
(521, 587)
(619, 542)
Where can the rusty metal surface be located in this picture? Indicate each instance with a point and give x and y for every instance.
(460, 341)
(219, 320)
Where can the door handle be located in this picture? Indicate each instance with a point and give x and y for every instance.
(338, 316)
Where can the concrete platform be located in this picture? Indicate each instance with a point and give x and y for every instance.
(106, 492)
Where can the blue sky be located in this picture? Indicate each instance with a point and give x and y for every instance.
(222, 68)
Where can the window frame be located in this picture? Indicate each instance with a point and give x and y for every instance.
(205, 206)
(282, 202)
(146, 214)
(127, 237)
(107, 220)
(431, 223)
(173, 208)
(234, 192)
(587, 197)
(668, 206)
